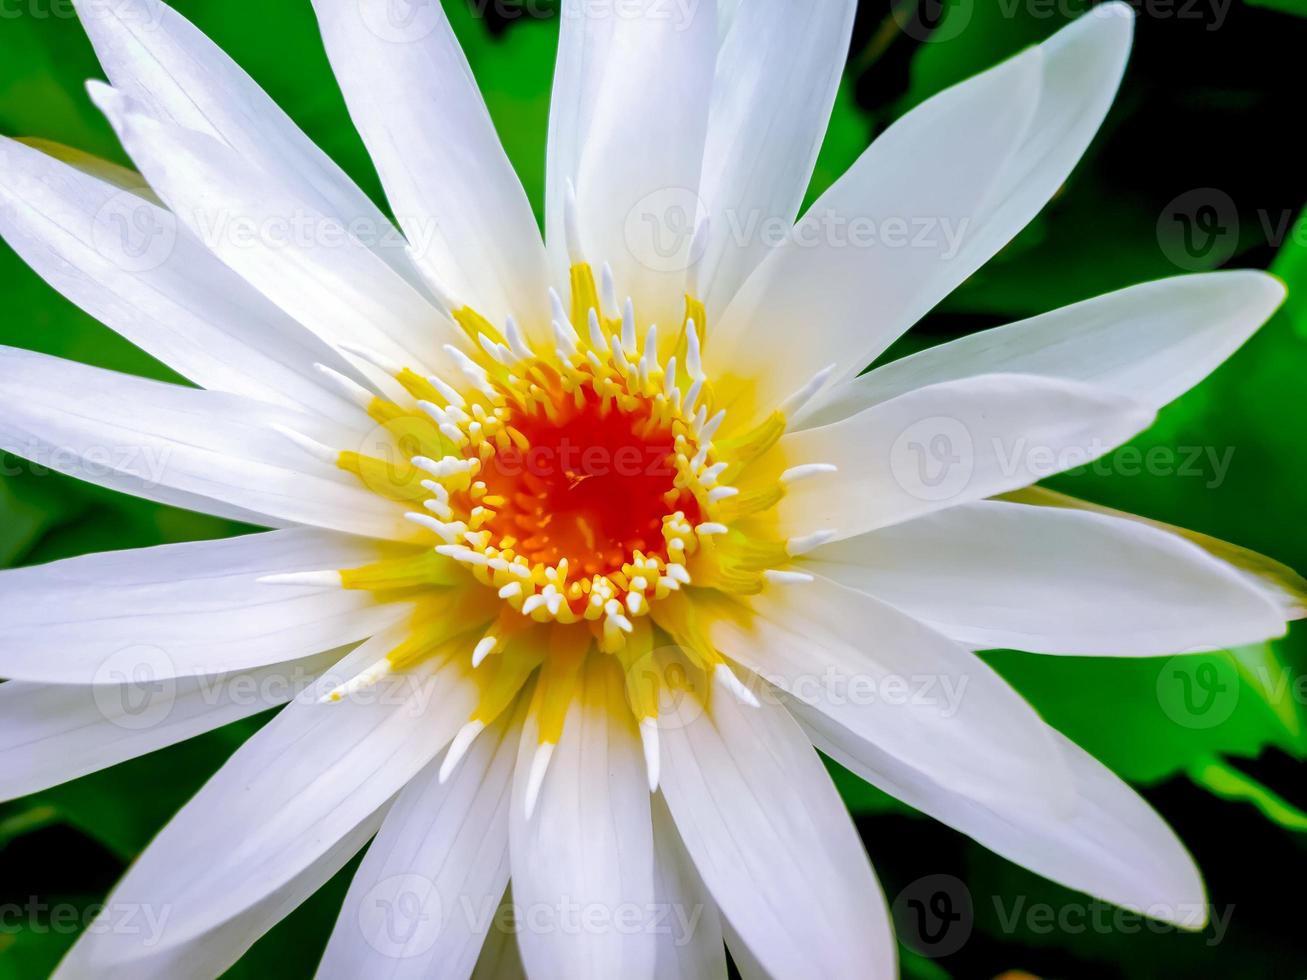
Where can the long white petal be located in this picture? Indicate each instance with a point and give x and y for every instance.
(770, 836)
(917, 694)
(160, 59)
(273, 235)
(303, 783)
(627, 127)
(429, 887)
(947, 444)
(1151, 343)
(690, 944)
(777, 74)
(205, 450)
(880, 247)
(859, 310)
(125, 261)
(415, 103)
(1110, 843)
(1003, 575)
(182, 610)
(212, 953)
(51, 733)
(588, 848)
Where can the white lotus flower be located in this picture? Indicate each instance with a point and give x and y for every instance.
(606, 583)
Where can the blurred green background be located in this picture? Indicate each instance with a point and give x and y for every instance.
(1199, 166)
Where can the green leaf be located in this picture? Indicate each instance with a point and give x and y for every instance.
(1219, 777)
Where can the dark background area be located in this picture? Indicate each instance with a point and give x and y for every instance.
(1206, 137)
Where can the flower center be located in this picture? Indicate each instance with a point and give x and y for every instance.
(593, 487)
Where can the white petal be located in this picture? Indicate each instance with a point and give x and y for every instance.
(158, 58)
(1078, 72)
(124, 260)
(770, 836)
(303, 259)
(205, 450)
(917, 694)
(690, 944)
(948, 444)
(777, 75)
(1004, 575)
(627, 127)
(880, 248)
(51, 733)
(588, 848)
(182, 610)
(1151, 343)
(412, 96)
(300, 785)
(212, 953)
(1110, 844)
(430, 885)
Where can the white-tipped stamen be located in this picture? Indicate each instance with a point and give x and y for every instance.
(358, 682)
(319, 580)
(628, 328)
(458, 748)
(727, 679)
(718, 494)
(709, 528)
(516, 342)
(796, 473)
(808, 542)
(486, 645)
(597, 338)
(536, 778)
(784, 577)
(353, 392)
(370, 356)
(310, 446)
(652, 756)
(791, 406)
(693, 366)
